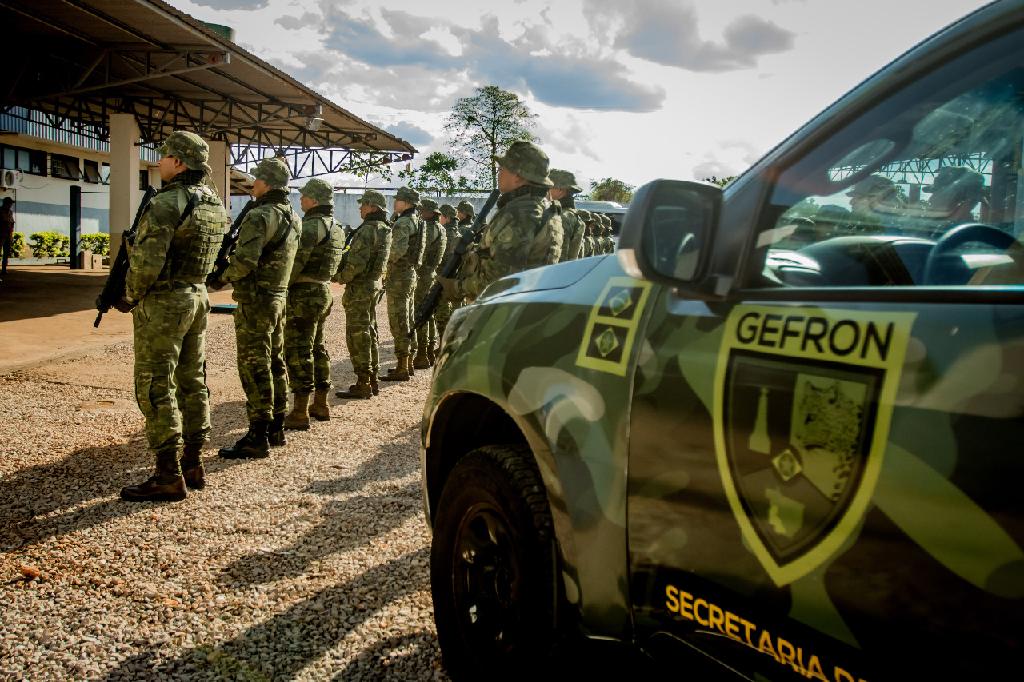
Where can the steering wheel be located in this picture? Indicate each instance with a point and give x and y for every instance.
(964, 234)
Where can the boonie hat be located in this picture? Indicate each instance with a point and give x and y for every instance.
(272, 171)
(528, 161)
(319, 191)
(187, 147)
(374, 198)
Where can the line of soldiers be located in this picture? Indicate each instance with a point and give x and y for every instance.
(280, 272)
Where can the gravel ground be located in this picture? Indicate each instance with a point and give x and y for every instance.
(312, 564)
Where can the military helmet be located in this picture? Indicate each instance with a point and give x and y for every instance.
(408, 194)
(447, 210)
(605, 220)
(526, 160)
(187, 147)
(467, 208)
(272, 171)
(563, 179)
(428, 205)
(319, 191)
(584, 215)
(374, 198)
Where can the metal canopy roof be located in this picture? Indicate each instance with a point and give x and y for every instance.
(80, 60)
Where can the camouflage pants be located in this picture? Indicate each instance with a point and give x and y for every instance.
(170, 370)
(309, 363)
(426, 336)
(359, 301)
(445, 309)
(400, 289)
(259, 335)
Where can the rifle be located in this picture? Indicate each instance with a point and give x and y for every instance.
(228, 245)
(452, 265)
(113, 288)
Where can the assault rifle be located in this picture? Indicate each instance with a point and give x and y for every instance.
(113, 288)
(452, 265)
(228, 245)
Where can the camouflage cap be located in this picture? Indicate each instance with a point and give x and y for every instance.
(408, 194)
(605, 220)
(467, 208)
(447, 210)
(319, 191)
(272, 171)
(563, 179)
(584, 214)
(374, 198)
(428, 205)
(187, 147)
(526, 160)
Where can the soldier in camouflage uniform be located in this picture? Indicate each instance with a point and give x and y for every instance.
(606, 235)
(465, 213)
(587, 243)
(436, 241)
(407, 241)
(525, 232)
(260, 269)
(562, 192)
(309, 304)
(453, 233)
(366, 255)
(175, 248)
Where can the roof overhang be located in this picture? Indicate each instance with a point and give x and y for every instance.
(82, 60)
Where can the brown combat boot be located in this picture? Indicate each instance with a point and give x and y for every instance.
(320, 410)
(192, 466)
(374, 386)
(253, 445)
(422, 359)
(298, 418)
(156, 488)
(431, 357)
(360, 390)
(401, 370)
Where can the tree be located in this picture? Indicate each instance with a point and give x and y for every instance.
(436, 174)
(721, 182)
(611, 189)
(484, 125)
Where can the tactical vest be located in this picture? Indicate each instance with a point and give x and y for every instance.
(382, 250)
(275, 266)
(197, 239)
(417, 242)
(432, 253)
(454, 235)
(326, 255)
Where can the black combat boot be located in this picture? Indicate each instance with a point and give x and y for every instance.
(374, 386)
(165, 485)
(253, 445)
(422, 359)
(275, 432)
(192, 466)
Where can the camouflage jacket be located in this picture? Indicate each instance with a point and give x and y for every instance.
(453, 233)
(572, 240)
(320, 247)
(167, 249)
(267, 241)
(406, 244)
(366, 252)
(514, 240)
(435, 247)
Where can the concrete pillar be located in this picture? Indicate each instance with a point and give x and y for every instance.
(220, 156)
(124, 177)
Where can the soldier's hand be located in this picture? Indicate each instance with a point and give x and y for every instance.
(450, 287)
(124, 305)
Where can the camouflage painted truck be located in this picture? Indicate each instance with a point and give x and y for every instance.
(782, 429)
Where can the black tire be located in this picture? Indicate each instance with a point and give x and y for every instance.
(493, 567)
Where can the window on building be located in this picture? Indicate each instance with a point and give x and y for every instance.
(65, 167)
(92, 171)
(36, 162)
(105, 173)
(26, 160)
(143, 179)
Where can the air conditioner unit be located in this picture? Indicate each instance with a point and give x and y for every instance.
(9, 179)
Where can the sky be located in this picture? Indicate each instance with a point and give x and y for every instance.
(630, 89)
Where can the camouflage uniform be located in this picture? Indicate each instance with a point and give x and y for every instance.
(525, 232)
(166, 281)
(468, 213)
(606, 236)
(435, 246)
(589, 241)
(453, 233)
(407, 241)
(366, 254)
(259, 270)
(572, 225)
(309, 304)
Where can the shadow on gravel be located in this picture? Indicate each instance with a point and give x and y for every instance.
(30, 496)
(405, 657)
(385, 465)
(284, 644)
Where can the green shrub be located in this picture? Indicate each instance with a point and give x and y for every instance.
(97, 242)
(18, 245)
(50, 244)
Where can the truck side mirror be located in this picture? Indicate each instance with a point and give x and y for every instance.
(667, 233)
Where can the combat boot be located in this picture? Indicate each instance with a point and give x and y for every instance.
(160, 487)
(431, 357)
(253, 445)
(401, 370)
(374, 386)
(422, 360)
(320, 410)
(360, 390)
(298, 418)
(192, 466)
(275, 432)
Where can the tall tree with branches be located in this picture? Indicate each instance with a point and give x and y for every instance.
(484, 125)
(437, 173)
